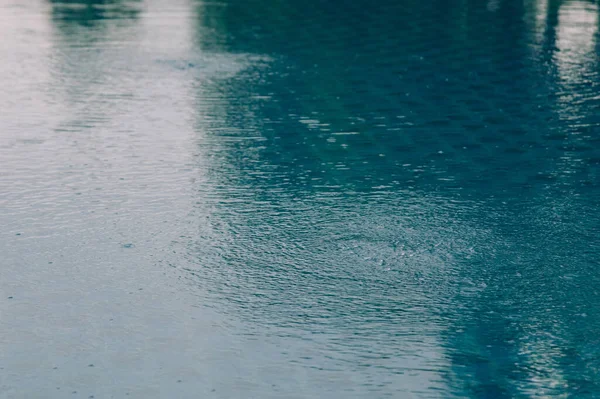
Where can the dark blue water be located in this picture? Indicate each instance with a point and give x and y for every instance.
(300, 199)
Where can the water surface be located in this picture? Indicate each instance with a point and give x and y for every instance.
(299, 199)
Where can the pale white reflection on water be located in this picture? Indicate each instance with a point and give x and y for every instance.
(299, 200)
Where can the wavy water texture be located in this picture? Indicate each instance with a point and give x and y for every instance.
(299, 199)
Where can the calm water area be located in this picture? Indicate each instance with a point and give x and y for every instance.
(299, 199)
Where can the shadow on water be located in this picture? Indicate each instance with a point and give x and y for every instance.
(414, 184)
(91, 12)
(532, 330)
(89, 46)
(457, 92)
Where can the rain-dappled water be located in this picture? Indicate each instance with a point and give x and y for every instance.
(299, 199)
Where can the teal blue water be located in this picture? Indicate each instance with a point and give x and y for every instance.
(299, 199)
